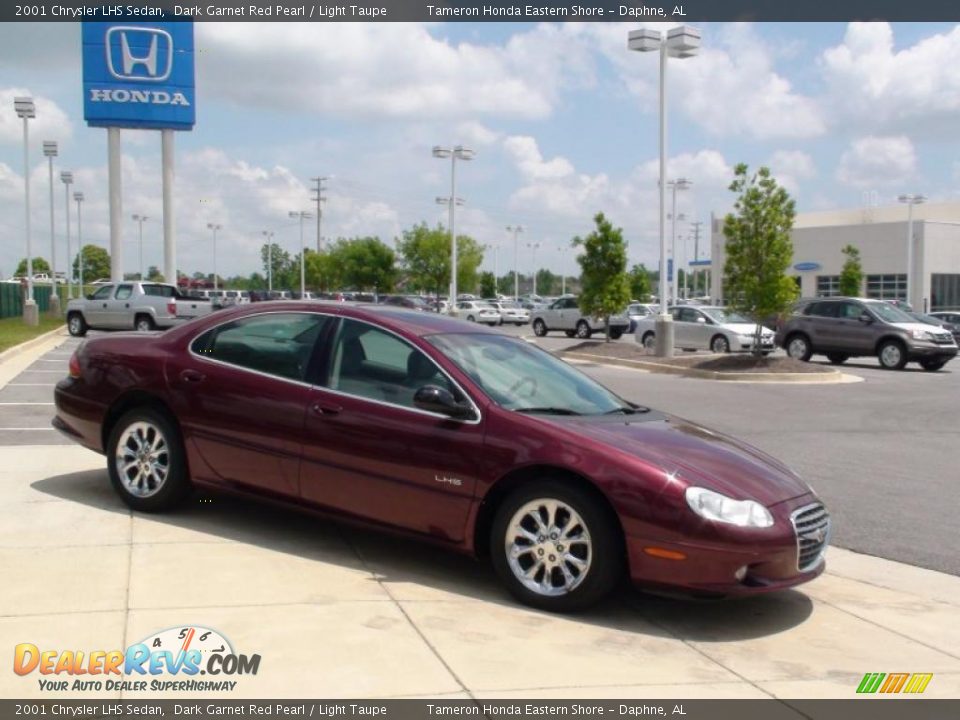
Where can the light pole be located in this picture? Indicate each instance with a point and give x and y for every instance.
(214, 227)
(457, 152)
(680, 42)
(534, 246)
(303, 215)
(140, 220)
(319, 199)
(678, 184)
(516, 260)
(26, 110)
(66, 177)
(268, 234)
(78, 196)
(50, 151)
(563, 272)
(910, 201)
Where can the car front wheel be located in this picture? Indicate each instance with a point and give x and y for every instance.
(583, 330)
(720, 345)
(649, 341)
(555, 546)
(76, 325)
(932, 365)
(146, 461)
(892, 355)
(539, 327)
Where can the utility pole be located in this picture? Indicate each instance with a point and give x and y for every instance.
(516, 260)
(319, 198)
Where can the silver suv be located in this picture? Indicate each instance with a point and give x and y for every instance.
(841, 328)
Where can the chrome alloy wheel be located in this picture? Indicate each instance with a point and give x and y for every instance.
(548, 547)
(797, 348)
(891, 355)
(142, 459)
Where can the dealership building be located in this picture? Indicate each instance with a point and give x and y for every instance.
(880, 234)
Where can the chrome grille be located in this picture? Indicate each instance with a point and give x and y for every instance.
(942, 337)
(811, 525)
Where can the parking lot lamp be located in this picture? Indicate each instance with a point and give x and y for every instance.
(26, 110)
(534, 246)
(66, 177)
(50, 151)
(457, 152)
(268, 234)
(680, 42)
(302, 215)
(910, 201)
(678, 184)
(78, 196)
(516, 260)
(140, 220)
(214, 227)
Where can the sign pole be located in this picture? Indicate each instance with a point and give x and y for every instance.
(169, 219)
(116, 204)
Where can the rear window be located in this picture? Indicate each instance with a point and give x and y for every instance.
(160, 291)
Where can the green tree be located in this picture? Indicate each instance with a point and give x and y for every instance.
(603, 265)
(285, 269)
(96, 263)
(758, 247)
(469, 259)
(547, 282)
(324, 271)
(426, 258)
(39, 266)
(640, 283)
(154, 274)
(851, 276)
(367, 263)
(488, 285)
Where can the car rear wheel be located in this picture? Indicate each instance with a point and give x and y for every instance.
(720, 344)
(616, 334)
(892, 355)
(798, 347)
(932, 365)
(649, 341)
(539, 327)
(471, 318)
(837, 358)
(555, 546)
(76, 325)
(583, 330)
(570, 333)
(146, 461)
(144, 323)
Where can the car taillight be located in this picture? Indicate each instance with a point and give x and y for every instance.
(74, 366)
(172, 307)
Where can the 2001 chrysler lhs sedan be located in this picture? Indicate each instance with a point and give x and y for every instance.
(455, 433)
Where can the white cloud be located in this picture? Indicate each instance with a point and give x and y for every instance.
(51, 123)
(385, 69)
(791, 167)
(877, 161)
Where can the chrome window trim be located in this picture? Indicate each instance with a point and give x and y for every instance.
(304, 384)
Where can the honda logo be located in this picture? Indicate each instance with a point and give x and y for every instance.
(140, 51)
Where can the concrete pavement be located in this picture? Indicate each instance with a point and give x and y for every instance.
(340, 612)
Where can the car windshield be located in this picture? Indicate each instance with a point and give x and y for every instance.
(521, 377)
(889, 313)
(724, 317)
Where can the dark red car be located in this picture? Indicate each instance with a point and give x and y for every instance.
(429, 425)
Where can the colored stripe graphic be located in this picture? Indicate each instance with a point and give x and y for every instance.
(914, 683)
(894, 682)
(918, 682)
(870, 682)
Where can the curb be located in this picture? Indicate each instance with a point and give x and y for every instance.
(832, 376)
(29, 344)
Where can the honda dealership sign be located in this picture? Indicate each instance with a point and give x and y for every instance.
(139, 75)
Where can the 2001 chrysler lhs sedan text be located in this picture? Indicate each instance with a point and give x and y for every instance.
(427, 424)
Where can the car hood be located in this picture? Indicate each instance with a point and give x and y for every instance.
(745, 328)
(918, 326)
(696, 454)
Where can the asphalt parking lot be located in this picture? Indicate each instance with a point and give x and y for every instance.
(351, 613)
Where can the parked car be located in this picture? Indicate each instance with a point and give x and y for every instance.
(841, 328)
(135, 305)
(472, 439)
(638, 311)
(411, 302)
(477, 311)
(564, 314)
(510, 312)
(939, 320)
(707, 327)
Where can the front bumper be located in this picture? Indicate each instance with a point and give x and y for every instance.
(931, 351)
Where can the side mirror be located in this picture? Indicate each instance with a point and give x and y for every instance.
(865, 318)
(439, 400)
(702, 320)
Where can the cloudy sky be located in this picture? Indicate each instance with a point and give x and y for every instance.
(562, 117)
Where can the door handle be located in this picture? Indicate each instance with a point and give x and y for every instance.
(192, 376)
(127, 306)
(325, 408)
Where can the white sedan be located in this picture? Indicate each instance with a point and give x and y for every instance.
(476, 311)
(510, 312)
(707, 328)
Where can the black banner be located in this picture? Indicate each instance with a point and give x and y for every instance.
(679, 11)
(864, 708)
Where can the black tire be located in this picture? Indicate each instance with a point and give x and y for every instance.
(616, 334)
(837, 358)
(892, 355)
(765, 353)
(144, 323)
(471, 318)
(719, 344)
(583, 330)
(932, 365)
(172, 490)
(76, 325)
(798, 347)
(570, 333)
(649, 340)
(539, 328)
(606, 554)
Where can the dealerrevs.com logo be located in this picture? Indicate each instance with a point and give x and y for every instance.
(176, 659)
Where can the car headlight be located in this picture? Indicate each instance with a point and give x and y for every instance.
(921, 334)
(712, 505)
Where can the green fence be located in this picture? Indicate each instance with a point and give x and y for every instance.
(12, 294)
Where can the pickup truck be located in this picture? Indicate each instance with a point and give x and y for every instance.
(141, 306)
